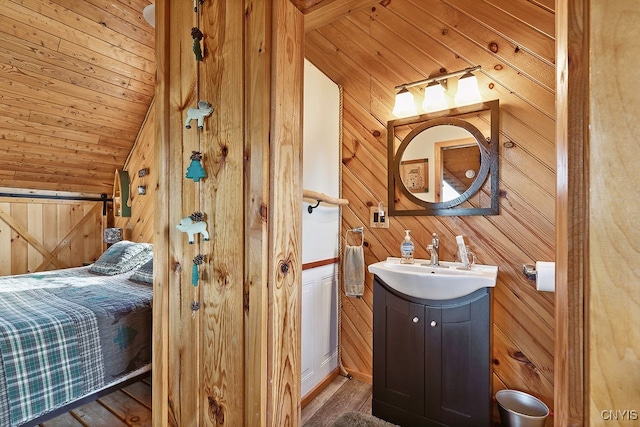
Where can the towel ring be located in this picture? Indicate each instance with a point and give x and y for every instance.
(359, 230)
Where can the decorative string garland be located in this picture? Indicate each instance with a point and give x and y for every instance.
(195, 279)
(194, 223)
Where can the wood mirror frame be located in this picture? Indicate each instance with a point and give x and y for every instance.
(481, 198)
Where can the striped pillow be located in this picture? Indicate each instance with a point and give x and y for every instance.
(144, 274)
(122, 257)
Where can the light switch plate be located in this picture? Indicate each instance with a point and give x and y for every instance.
(374, 218)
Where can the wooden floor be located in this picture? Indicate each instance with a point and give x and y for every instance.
(131, 406)
(340, 396)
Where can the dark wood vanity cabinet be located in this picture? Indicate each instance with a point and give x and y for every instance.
(431, 359)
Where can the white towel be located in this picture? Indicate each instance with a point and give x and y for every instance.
(353, 271)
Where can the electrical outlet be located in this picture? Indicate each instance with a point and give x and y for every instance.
(376, 220)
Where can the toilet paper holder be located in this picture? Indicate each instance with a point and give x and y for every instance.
(530, 272)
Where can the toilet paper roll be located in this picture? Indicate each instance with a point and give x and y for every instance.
(546, 276)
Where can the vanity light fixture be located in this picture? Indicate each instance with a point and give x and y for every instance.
(434, 98)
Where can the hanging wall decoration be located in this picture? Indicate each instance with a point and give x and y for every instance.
(197, 36)
(195, 171)
(192, 225)
(203, 110)
(195, 279)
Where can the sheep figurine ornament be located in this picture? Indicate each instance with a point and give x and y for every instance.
(204, 110)
(192, 225)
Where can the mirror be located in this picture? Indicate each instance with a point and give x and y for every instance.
(445, 163)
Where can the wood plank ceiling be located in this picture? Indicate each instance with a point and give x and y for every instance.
(76, 82)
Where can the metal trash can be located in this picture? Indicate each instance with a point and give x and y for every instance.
(519, 409)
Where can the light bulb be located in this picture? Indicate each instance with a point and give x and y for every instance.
(468, 92)
(434, 98)
(405, 106)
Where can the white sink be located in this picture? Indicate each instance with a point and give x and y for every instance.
(420, 280)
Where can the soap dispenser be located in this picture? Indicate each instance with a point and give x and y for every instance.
(406, 249)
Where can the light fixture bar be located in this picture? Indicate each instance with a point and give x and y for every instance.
(438, 78)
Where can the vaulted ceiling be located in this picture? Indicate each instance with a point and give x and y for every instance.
(76, 82)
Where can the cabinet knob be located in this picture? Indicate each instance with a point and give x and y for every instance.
(433, 323)
(415, 319)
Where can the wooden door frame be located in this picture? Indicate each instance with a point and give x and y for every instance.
(571, 392)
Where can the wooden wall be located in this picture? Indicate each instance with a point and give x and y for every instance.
(47, 234)
(398, 41)
(613, 308)
(139, 226)
(236, 360)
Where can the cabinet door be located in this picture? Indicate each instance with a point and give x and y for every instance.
(457, 363)
(398, 349)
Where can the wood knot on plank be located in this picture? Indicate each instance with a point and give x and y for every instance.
(263, 212)
(216, 410)
(493, 47)
(285, 267)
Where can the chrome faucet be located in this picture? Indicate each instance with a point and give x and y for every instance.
(434, 249)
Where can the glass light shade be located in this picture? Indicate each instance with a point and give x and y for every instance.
(405, 105)
(112, 235)
(149, 14)
(468, 92)
(434, 97)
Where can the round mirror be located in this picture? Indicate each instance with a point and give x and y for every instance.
(443, 164)
(440, 163)
(421, 159)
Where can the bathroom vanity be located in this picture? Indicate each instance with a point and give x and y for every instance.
(431, 357)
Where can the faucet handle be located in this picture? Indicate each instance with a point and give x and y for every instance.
(435, 241)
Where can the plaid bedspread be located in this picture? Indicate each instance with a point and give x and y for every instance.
(65, 334)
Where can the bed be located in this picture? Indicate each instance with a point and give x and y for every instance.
(68, 334)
